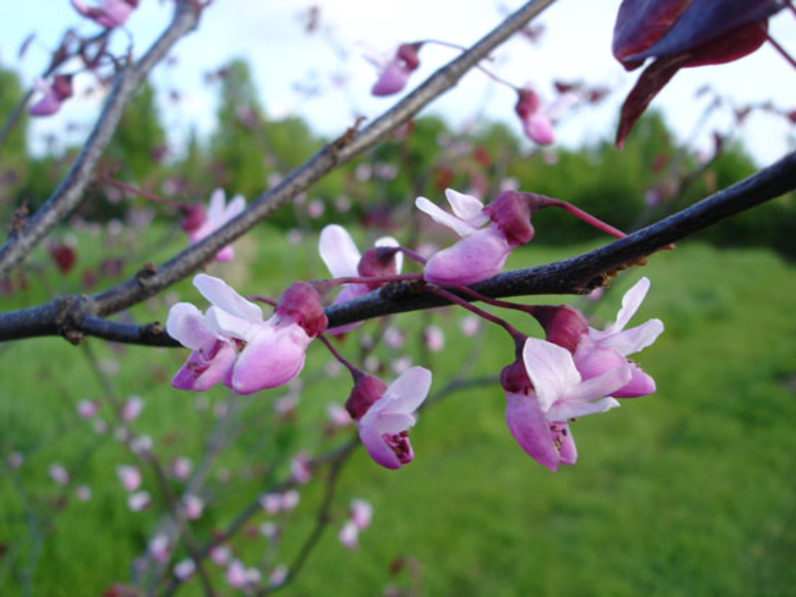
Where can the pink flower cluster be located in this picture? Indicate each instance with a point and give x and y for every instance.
(577, 371)
(232, 342)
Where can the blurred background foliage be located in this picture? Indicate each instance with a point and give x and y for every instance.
(249, 151)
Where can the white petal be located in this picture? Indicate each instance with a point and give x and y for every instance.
(223, 296)
(630, 304)
(600, 386)
(215, 210)
(389, 241)
(186, 324)
(339, 252)
(574, 410)
(227, 325)
(551, 370)
(393, 423)
(467, 207)
(635, 339)
(234, 208)
(406, 393)
(440, 216)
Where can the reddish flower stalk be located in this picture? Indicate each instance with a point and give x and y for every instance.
(355, 372)
(780, 49)
(141, 192)
(516, 335)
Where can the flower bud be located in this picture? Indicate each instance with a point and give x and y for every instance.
(563, 325)
(301, 304)
(367, 390)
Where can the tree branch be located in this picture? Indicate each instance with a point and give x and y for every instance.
(75, 316)
(70, 192)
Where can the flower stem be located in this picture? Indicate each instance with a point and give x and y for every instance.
(413, 256)
(262, 299)
(589, 219)
(354, 371)
(140, 192)
(515, 334)
(484, 70)
(376, 279)
(780, 49)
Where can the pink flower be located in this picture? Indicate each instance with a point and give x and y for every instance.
(232, 341)
(184, 569)
(434, 338)
(337, 415)
(478, 256)
(83, 493)
(545, 391)
(269, 529)
(349, 535)
(278, 575)
(395, 71)
(53, 95)
(301, 468)
(384, 414)
(199, 225)
(109, 13)
(130, 477)
(139, 501)
(132, 408)
(181, 468)
(192, 506)
(236, 574)
(361, 513)
(159, 547)
(58, 473)
(87, 408)
(343, 260)
(537, 118)
(601, 351)
(220, 554)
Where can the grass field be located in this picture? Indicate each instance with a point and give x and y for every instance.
(689, 492)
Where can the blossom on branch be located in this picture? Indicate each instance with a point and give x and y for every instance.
(109, 13)
(545, 392)
(384, 414)
(232, 342)
(538, 118)
(395, 71)
(200, 224)
(52, 95)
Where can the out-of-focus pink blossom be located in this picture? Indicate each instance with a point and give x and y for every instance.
(83, 493)
(192, 506)
(159, 547)
(361, 513)
(15, 459)
(130, 477)
(545, 391)
(132, 408)
(87, 408)
(393, 337)
(181, 468)
(301, 468)
(395, 71)
(470, 325)
(199, 225)
(99, 426)
(274, 503)
(220, 554)
(139, 500)
(140, 444)
(58, 473)
(315, 209)
(343, 260)
(52, 95)
(184, 569)
(434, 338)
(337, 415)
(109, 13)
(384, 414)
(538, 118)
(278, 575)
(269, 529)
(236, 574)
(290, 499)
(349, 535)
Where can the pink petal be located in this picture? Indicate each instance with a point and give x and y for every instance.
(339, 252)
(200, 372)
(467, 207)
(551, 370)
(272, 358)
(567, 449)
(186, 324)
(631, 301)
(529, 427)
(602, 385)
(566, 410)
(391, 80)
(389, 241)
(440, 216)
(377, 448)
(222, 295)
(46, 106)
(539, 129)
(235, 207)
(226, 254)
(473, 259)
(406, 393)
(215, 210)
(635, 339)
(640, 384)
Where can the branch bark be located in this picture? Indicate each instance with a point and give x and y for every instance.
(71, 190)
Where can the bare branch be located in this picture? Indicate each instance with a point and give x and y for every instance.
(70, 192)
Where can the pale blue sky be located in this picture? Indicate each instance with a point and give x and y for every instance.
(268, 34)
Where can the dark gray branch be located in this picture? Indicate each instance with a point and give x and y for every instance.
(70, 192)
(74, 316)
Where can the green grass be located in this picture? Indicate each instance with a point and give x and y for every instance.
(690, 491)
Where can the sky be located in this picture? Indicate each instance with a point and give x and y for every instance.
(576, 45)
